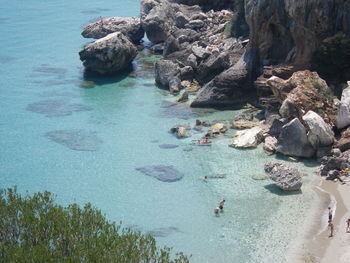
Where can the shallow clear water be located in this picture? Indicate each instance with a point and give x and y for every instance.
(121, 122)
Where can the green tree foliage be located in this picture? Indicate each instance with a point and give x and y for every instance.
(34, 229)
(332, 59)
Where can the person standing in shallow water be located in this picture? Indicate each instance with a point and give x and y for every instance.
(331, 228)
(348, 225)
(221, 204)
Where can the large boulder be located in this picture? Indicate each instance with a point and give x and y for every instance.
(302, 92)
(290, 31)
(320, 133)
(226, 89)
(108, 55)
(129, 26)
(343, 116)
(293, 140)
(167, 75)
(247, 138)
(286, 177)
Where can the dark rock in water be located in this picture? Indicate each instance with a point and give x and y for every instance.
(79, 140)
(181, 111)
(168, 146)
(110, 54)
(87, 84)
(50, 70)
(56, 108)
(90, 12)
(187, 149)
(161, 172)
(163, 231)
(6, 59)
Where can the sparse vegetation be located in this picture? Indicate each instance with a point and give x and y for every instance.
(332, 59)
(35, 229)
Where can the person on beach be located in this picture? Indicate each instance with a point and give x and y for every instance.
(330, 214)
(221, 204)
(331, 228)
(348, 225)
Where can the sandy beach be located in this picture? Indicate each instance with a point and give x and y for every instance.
(317, 246)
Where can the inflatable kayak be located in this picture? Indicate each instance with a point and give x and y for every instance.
(201, 143)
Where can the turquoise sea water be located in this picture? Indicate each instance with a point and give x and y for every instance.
(122, 121)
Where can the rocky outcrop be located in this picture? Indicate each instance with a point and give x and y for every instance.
(108, 55)
(290, 31)
(302, 92)
(247, 138)
(158, 17)
(225, 89)
(129, 26)
(286, 177)
(320, 134)
(343, 116)
(293, 140)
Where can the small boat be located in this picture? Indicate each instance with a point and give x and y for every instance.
(201, 143)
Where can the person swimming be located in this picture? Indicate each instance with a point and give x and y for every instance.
(217, 210)
(221, 204)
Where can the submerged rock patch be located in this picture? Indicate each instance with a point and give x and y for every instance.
(168, 146)
(50, 70)
(76, 139)
(56, 108)
(161, 172)
(163, 231)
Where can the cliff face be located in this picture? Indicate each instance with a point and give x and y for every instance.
(290, 30)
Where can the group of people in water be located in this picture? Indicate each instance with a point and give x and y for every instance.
(330, 223)
(219, 208)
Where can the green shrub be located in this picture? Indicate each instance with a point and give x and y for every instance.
(35, 229)
(332, 59)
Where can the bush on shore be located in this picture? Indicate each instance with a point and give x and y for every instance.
(35, 229)
(332, 59)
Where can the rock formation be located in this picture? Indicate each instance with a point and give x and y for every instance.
(293, 140)
(129, 26)
(109, 54)
(286, 177)
(289, 31)
(247, 138)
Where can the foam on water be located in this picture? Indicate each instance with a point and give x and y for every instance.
(126, 122)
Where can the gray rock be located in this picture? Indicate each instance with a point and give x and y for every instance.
(129, 26)
(212, 66)
(183, 97)
(195, 24)
(110, 54)
(162, 173)
(286, 177)
(165, 71)
(293, 140)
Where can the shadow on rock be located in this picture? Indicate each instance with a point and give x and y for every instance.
(274, 189)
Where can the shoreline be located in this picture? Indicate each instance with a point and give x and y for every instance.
(316, 246)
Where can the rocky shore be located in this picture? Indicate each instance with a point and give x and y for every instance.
(228, 53)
